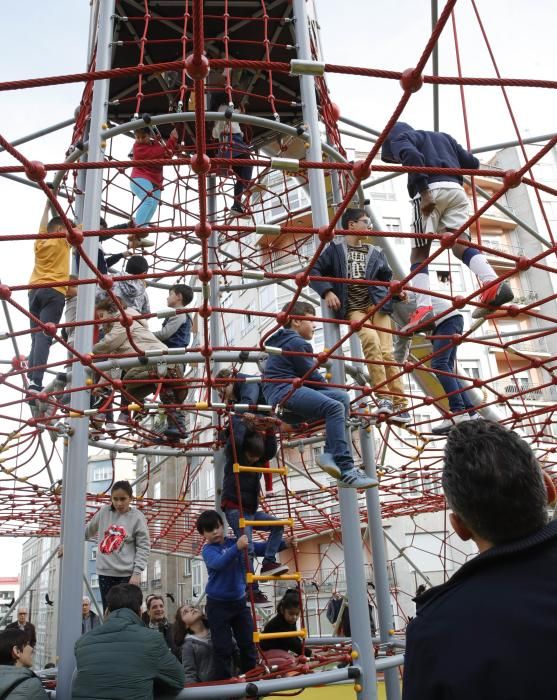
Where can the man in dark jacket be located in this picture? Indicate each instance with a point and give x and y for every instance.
(480, 634)
(440, 205)
(24, 625)
(156, 611)
(121, 659)
(90, 620)
(292, 382)
(352, 257)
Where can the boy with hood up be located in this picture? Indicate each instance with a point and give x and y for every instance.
(313, 399)
(440, 204)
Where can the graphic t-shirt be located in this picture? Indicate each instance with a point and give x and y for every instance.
(358, 294)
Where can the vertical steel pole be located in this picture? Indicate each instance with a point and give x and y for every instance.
(351, 530)
(71, 582)
(435, 67)
(214, 325)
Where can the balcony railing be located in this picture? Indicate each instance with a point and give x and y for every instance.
(504, 248)
(527, 390)
(515, 342)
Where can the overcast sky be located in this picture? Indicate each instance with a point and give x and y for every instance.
(40, 38)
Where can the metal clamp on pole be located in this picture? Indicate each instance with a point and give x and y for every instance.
(292, 165)
(301, 67)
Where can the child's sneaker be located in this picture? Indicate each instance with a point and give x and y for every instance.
(273, 568)
(493, 298)
(356, 479)
(449, 423)
(384, 408)
(328, 464)
(401, 418)
(420, 321)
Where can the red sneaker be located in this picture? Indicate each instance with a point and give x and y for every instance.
(493, 297)
(421, 320)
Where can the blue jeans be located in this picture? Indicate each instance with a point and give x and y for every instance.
(334, 406)
(273, 541)
(446, 361)
(148, 197)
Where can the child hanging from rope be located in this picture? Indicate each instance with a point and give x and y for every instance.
(444, 360)
(288, 613)
(146, 180)
(232, 145)
(251, 447)
(227, 613)
(440, 204)
(313, 399)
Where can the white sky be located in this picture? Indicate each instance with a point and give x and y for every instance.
(40, 38)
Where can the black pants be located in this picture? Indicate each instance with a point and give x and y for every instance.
(108, 582)
(225, 618)
(47, 305)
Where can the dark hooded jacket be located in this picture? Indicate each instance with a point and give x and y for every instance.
(288, 367)
(432, 149)
(480, 634)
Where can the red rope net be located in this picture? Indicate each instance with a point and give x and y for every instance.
(162, 63)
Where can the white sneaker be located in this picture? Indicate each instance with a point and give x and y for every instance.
(384, 408)
(449, 423)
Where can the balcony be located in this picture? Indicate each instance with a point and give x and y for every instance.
(496, 247)
(155, 583)
(527, 347)
(524, 296)
(528, 390)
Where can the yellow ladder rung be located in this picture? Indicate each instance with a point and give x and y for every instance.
(266, 523)
(251, 578)
(236, 468)
(258, 636)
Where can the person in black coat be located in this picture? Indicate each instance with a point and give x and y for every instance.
(156, 611)
(288, 613)
(483, 633)
(24, 625)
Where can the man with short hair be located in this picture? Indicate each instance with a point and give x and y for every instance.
(24, 625)
(121, 659)
(90, 620)
(158, 621)
(480, 634)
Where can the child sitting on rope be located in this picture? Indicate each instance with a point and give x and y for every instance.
(176, 330)
(232, 145)
(116, 342)
(440, 205)
(312, 399)
(288, 614)
(146, 180)
(444, 359)
(134, 291)
(227, 613)
(352, 257)
(248, 446)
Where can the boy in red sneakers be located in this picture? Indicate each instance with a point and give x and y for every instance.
(440, 205)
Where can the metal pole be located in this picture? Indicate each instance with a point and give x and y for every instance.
(27, 588)
(351, 534)
(214, 325)
(379, 556)
(70, 597)
(41, 132)
(435, 67)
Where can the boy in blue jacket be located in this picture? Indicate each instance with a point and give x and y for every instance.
(314, 399)
(176, 330)
(226, 608)
(440, 204)
(353, 258)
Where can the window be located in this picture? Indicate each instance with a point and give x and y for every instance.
(143, 579)
(157, 569)
(94, 581)
(392, 223)
(195, 489)
(93, 553)
(101, 471)
(197, 579)
(383, 191)
(187, 566)
(268, 298)
(157, 490)
(471, 367)
(247, 320)
(210, 482)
